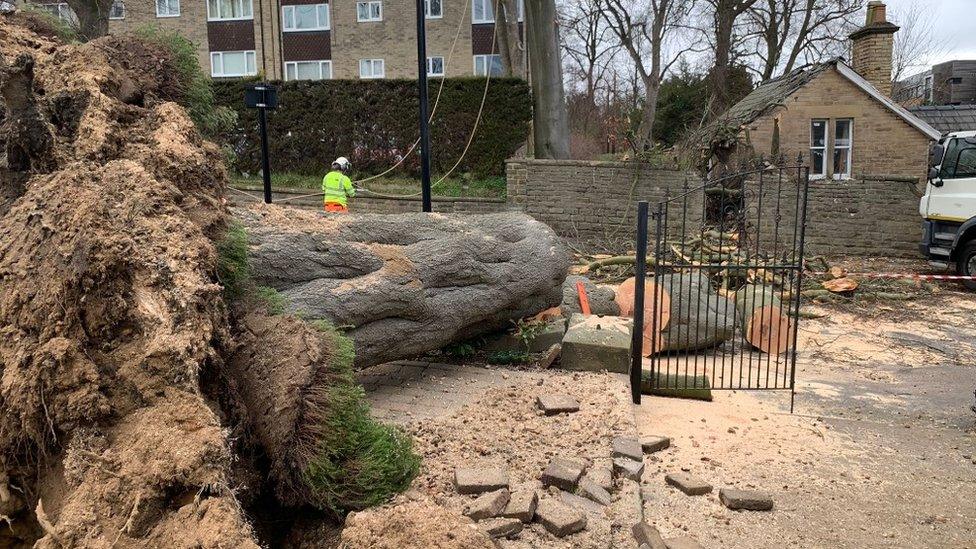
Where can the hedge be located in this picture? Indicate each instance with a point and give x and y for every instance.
(372, 122)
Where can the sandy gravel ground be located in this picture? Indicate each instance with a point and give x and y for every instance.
(881, 451)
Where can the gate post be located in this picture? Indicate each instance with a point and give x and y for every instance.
(637, 337)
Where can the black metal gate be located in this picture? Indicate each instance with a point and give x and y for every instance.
(722, 308)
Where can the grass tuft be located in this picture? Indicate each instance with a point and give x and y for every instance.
(233, 270)
(272, 299)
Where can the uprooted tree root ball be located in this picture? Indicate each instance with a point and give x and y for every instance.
(125, 422)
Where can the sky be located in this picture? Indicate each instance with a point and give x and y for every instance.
(956, 19)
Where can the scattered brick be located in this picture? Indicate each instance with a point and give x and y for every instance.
(688, 484)
(563, 474)
(557, 404)
(628, 448)
(655, 444)
(581, 504)
(594, 492)
(559, 519)
(648, 536)
(601, 476)
(682, 542)
(747, 500)
(521, 505)
(628, 468)
(477, 481)
(488, 505)
(501, 527)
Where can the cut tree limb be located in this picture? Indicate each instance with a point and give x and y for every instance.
(407, 284)
(765, 325)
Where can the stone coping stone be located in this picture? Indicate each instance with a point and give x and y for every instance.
(521, 505)
(488, 505)
(688, 484)
(746, 500)
(653, 444)
(582, 504)
(471, 480)
(676, 386)
(628, 468)
(549, 335)
(683, 542)
(597, 343)
(501, 527)
(626, 447)
(601, 476)
(594, 492)
(557, 404)
(563, 473)
(648, 536)
(559, 519)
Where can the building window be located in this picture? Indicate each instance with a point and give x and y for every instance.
(371, 68)
(117, 11)
(369, 11)
(928, 88)
(167, 8)
(305, 17)
(435, 66)
(228, 10)
(843, 141)
(433, 9)
(308, 70)
(482, 12)
(818, 148)
(483, 62)
(233, 63)
(965, 164)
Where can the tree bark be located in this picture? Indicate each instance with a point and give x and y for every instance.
(550, 117)
(92, 17)
(691, 315)
(509, 41)
(404, 285)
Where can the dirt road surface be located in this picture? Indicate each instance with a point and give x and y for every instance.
(880, 452)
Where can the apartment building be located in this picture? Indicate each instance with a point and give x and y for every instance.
(317, 39)
(949, 83)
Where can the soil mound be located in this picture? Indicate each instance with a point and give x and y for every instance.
(417, 524)
(109, 310)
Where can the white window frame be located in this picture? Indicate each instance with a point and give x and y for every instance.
(372, 75)
(288, 16)
(430, 65)
(487, 7)
(370, 4)
(929, 87)
(116, 3)
(217, 17)
(823, 149)
(427, 10)
(487, 60)
(219, 55)
(323, 63)
(169, 12)
(849, 148)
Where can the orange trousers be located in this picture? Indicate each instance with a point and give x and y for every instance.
(335, 207)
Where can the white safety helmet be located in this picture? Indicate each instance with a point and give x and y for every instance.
(343, 163)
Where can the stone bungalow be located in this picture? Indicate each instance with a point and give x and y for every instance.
(867, 154)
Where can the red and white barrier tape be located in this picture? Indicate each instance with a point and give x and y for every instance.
(905, 275)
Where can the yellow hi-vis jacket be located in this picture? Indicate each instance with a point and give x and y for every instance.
(337, 187)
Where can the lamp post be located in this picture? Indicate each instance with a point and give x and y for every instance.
(422, 95)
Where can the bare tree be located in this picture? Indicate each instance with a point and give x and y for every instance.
(918, 42)
(588, 48)
(550, 117)
(724, 16)
(642, 31)
(510, 46)
(792, 33)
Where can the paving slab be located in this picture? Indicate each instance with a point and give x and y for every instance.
(582, 504)
(746, 500)
(601, 476)
(557, 404)
(478, 480)
(488, 505)
(683, 542)
(501, 527)
(688, 484)
(655, 444)
(596, 343)
(628, 468)
(559, 519)
(676, 386)
(626, 447)
(521, 505)
(563, 473)
(594, 492)
(648, 536)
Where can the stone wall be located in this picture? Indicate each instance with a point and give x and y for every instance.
(371, 204)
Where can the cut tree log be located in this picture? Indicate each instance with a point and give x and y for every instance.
(406, 284)
(765, 325)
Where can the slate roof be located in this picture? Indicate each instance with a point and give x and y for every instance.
(771, 94)
(948, 118)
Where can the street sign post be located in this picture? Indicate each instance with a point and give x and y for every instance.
(263, 97)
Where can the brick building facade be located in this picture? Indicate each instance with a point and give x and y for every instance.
(320, 39)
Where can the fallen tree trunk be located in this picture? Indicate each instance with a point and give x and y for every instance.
(764, 322)
(407, 284)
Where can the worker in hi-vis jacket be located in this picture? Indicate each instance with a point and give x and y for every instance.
(337, 187)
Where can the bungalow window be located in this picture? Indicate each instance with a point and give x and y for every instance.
(842, 148)
(369, 11)
(818, 148)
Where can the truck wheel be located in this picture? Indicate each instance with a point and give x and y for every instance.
(966, 263)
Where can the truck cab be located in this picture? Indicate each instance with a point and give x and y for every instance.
(949, 205)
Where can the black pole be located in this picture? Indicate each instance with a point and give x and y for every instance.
(422, 93)
(265, 161)
(637, 338)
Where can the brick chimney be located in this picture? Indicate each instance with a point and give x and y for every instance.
(872, 46)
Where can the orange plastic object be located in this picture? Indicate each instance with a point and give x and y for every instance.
(584, 301)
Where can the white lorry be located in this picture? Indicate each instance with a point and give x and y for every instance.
(949, 205)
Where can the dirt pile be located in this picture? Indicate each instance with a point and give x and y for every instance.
(416, 524)
(109, 310)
